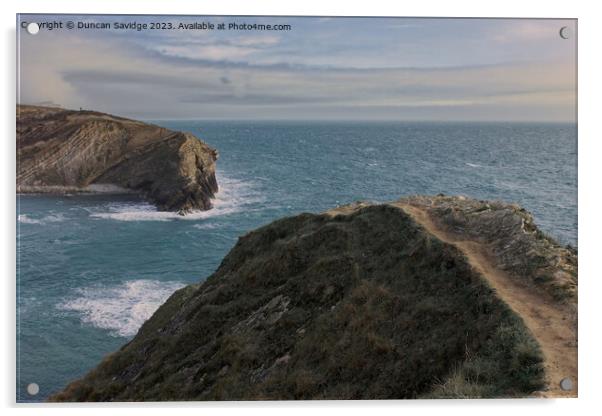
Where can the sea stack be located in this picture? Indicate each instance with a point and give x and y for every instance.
(61, 151)
(424, 297)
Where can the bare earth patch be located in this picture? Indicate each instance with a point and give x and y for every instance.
(551, 323)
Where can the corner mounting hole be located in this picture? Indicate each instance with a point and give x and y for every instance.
(566, 384)
(33, 389)
(33, 28)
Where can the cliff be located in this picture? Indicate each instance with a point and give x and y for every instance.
(366, 301)
(515, 243)
(64, 150)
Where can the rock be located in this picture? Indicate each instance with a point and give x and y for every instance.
(65, 151)
(282, 360)
(412, 318)
(517, 245)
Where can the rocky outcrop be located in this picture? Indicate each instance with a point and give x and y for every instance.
(360, 302)
(517, 246)
(71, 150)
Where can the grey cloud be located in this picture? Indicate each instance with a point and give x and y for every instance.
(256, 99)
(82, 77)
(172, 59)
(127, 78)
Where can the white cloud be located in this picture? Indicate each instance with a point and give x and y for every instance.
(216, 78)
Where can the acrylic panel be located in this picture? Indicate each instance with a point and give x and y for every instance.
(295, 208)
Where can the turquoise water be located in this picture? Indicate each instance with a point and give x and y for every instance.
(91, 269)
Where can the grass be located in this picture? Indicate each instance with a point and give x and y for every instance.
(363, 306)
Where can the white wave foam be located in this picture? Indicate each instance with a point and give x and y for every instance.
(474, 165)
(206, 226)
(121, 309)
(25, 219)
(234, 196)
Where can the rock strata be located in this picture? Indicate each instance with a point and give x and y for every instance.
(62, 150)
(516, 244)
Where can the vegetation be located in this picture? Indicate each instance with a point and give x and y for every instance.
(363, 304)
(517, 245)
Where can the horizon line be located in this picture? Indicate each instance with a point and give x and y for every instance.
(338, 120)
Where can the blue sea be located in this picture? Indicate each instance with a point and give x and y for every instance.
(92, 268)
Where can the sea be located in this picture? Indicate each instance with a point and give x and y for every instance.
(92, 268)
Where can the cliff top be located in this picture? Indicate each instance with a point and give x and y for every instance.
(365, 301)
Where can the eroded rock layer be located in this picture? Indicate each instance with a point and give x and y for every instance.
(69, 150)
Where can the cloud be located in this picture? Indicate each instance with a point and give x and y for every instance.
(263, 76)
(255, 99)
(82, 77)
(525, 30)
(209, 52)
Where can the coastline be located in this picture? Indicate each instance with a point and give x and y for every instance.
(94, 189)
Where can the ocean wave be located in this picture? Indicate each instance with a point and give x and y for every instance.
(121, 309)
(206, 226)
(26, 219)
(473, 165)
(234, 196)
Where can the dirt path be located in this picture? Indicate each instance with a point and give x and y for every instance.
(551, 324)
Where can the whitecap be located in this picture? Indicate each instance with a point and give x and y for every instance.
(234, 196)
(206, 226)
(120, 309)
(26, 219)
(474, 165)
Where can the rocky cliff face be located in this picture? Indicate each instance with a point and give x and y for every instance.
(516, 245)
(71, 150)
(361, 302)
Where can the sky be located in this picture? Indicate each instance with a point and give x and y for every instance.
(320, 69)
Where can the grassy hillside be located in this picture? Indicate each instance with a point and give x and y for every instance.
(359, 304)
